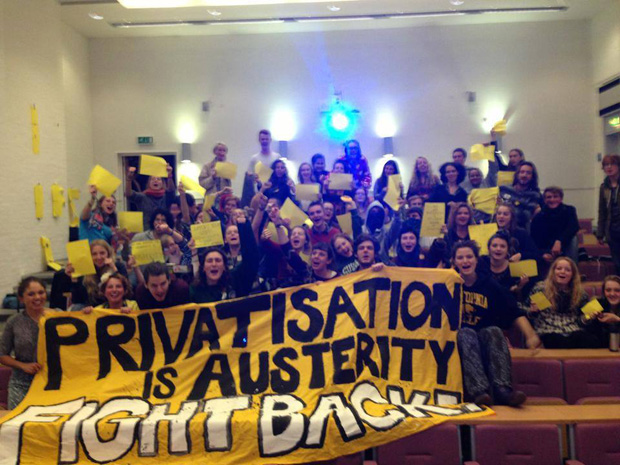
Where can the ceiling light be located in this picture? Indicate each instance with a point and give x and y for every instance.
(457, 2)
(95, 16)
(333, 8)
(334, 19)
(247, 21)
(214, 12)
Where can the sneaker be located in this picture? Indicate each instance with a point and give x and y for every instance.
(483, 399)
(510, 397)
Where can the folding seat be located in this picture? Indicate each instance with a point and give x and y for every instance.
(538, 378)
(591, 378)
(598, 444)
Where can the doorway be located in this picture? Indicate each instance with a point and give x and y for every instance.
(127, 160)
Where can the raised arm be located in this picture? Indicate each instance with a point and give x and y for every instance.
(88, 208)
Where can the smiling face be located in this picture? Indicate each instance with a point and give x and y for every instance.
(388, 169)
(328, 209)
(175, 210)
(343, 247)
(421, 165)
(114, 292)
(265, 141)
(280, 169)
(317, 215)
(108, 205)
(498, 249)
(416, 202)
(99, 254)
(338, 168)
(503, 217)
(273, 210)
(562, 273)
(158, 286)
(220, 151)
(214, 267)
(155, 183)
(462, 217)
(170, 247)
(525, 175)
(366, 254)
(612, 292)
(34, 297)
(232, 235)
(465, 262)
(452, 174)
(408, 241)
(360, 195)
(475, 177)
(353, 149)
(319, 260)
(458, 157)
(305, 170)
(319, 164)
(298, 238)
(552, 200)
(229, 206)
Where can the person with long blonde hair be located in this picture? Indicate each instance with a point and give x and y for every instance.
(561, 326)
(423, 181)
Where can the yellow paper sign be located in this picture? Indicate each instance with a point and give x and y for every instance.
(153, 166)
(263, 171)
(208, 202)
(207, 234)
(540, 300)
(192, 185)
(433, 219)
(524, 267)
(131, 221)
(484, 200)
(590, 239)
(505, 178)
(225, 170)
(481, 233)
(591, 308)
(34, 120)
(346, 223)
(78, 253)
(500, 127)
(309, 192)
(58, 200)
(274, 232)
(73, 195)
(480, 152)
(292, 212)
(340, 181)
(49, 256)
(393, 192)
(103, 180)
(146, 252)
(38, 201)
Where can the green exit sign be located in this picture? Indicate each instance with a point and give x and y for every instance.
(145, 140)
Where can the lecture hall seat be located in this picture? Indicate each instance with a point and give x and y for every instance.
(598, 444)
(591, 378)
(538, 378)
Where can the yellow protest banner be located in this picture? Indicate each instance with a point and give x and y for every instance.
(78, 254)
(540, 300)
(46, 245)
(393, 192)
(500, 127)
(309, 192)
(591, 308)
(153, 166)
(34, 123)
(340, 181)
(481, 233)
(105, 181)
(524, 267)
(293, 213)
(131, 221)
(433, 219)
(38, 201)
(192, 185)
(297, 375)
(484, 200)
(264, 172)
(505, 178)
(146, 252)
(207, 234)
(479, 152)
(58, 200)
(226, 170)
(74, 219)
(346, 223)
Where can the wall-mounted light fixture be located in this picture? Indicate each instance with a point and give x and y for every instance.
(283, 148)
(186, 153)
(388, 147)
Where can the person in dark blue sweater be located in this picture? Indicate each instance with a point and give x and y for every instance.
(487, 308)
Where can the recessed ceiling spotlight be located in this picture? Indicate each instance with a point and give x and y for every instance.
(95, 16)
(333, 8)
(214, 12)
(457, 2)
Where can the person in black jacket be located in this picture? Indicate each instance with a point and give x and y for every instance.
(554, 229)
(487, 309)
(450, 192)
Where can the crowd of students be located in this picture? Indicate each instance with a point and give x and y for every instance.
(262, 252)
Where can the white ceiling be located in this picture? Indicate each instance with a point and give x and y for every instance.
(76, 14)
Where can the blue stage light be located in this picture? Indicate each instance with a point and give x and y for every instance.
(340, 121)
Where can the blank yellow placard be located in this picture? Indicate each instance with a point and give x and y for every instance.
(393, 192)
(226, 170)
(103, 180)
(58, 200)
(346, 223)
(292, 212)
(153, 166)
(340, 181)
(500, 127)
(505, 178)
(38, 201)
(433, 219)
(73, 195)
(484, 200)
(207, 234)
(47, 252)
(309, 192)
(34, 122)
(146, 252)
(591, 308)
(274, 232)
(480, 152)
(590, 239)
(524, 267)
(192, 185)
(131, 221)
(540, 300)
(208, 202)
(481, 233)
(263, 171)
(78, 253)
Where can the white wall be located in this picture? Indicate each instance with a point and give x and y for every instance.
(31, 71)
(540, 71)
